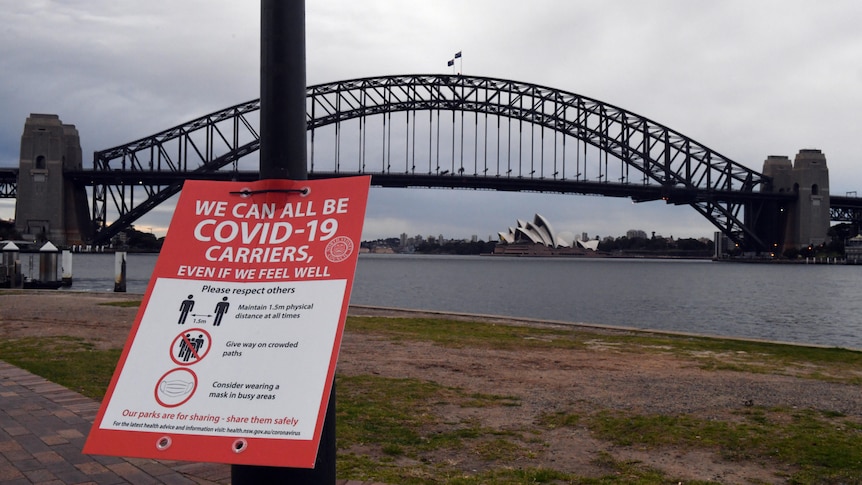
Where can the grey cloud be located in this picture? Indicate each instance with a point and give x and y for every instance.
(748, 79)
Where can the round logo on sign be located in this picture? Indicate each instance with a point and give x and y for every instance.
(339, 249)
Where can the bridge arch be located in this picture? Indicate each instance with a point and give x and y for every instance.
(585, 146)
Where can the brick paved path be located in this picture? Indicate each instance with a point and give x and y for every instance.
(43, 427)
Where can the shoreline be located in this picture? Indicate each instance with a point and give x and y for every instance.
(394, 312)
(377, 310)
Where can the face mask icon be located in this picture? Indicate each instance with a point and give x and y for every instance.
(175, 387)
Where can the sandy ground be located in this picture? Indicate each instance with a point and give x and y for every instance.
(577, 381)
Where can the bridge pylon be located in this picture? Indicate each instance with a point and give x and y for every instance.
(804, 220)
(50, 207)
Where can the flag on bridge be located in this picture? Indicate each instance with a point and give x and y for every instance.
(461, 63)
(451, 62)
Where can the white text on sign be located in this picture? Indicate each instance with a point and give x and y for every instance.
(264, 227)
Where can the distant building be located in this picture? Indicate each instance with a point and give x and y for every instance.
(853, 250)
(592, 245)
(537, 232)
(538, 238)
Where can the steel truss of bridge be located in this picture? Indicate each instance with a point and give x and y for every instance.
(448, 131)
(8, 183)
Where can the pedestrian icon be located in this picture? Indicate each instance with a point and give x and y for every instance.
(220, 309)
(185, 308)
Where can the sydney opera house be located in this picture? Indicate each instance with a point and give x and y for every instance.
(538, 238)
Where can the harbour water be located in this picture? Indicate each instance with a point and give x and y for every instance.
(810, 304)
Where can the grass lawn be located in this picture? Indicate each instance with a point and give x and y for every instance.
(385, 430)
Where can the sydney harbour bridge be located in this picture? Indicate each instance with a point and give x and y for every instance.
(447, 131)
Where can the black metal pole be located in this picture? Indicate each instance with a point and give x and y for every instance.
(282, 90)
(283, 156)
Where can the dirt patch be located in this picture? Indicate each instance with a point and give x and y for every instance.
(600, 376)
(83, 315)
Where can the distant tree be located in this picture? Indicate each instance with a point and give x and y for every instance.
(692, 245)
(653, 244)
(141, 241)
(456, 247)
(791, 253)
(7, 230)
(393, 243)
(839, 234)
(657, 244)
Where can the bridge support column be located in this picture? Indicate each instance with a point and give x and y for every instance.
(49, 208)
(805, 221)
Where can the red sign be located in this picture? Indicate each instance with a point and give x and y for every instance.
(233, 352)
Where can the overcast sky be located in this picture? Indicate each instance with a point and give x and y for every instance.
(747, 78)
